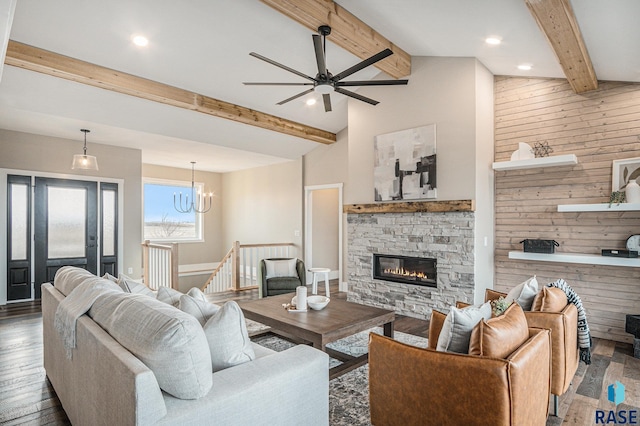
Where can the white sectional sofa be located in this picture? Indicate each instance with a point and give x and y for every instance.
(103, 383)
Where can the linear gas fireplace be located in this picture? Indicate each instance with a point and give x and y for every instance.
(405, 269)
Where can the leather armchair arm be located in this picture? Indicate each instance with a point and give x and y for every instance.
(564, 343)
(415, 386)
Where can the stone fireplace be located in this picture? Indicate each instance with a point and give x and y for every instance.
(447, 237)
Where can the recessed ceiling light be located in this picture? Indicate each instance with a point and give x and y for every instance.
(311, 101)
(524, 67)
(493, 40)
(140, 40)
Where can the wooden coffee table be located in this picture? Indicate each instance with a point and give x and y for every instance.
(338, 320)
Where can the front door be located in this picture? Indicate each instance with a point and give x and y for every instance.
(65, 225)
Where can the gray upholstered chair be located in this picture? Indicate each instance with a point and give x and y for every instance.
(272, 286)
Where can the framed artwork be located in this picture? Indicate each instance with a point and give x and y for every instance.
(405, 164)
(624, 171)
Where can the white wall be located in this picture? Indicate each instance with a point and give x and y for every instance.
(484, 197)
(440, 91)
(264, 205)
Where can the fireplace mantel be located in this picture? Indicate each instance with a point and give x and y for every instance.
(412, 207)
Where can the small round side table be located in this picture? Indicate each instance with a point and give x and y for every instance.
(315, 272)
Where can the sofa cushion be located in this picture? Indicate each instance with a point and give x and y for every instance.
(129, 285)
(456, 330)
(169, 296)
(196, 293)
(201, 310)
(68, 278)
(524, 293)
(549, 299)
(169, 342)
(498, 337)
(280, 268)
(228, 338)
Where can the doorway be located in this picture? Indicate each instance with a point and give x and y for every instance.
(70, 222)
(323, 229)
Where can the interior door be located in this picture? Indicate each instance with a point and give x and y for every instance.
(65, 225)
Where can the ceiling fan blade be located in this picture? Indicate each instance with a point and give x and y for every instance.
(295, 96)
(320, 59)
(279, 65)
(278, 84)
(370, 61)
(327, 102)
(372, 83)
(356, 96)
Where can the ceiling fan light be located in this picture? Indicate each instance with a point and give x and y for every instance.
(324, 88)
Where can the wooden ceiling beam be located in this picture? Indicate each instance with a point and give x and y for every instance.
(347, 31)
(558, 23)
(50, 63)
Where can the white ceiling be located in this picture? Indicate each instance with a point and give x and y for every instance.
(203, 46)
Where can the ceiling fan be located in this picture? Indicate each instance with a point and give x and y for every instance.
(324, 82)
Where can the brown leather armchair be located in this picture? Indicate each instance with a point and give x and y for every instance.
(564, 343)
(415, 386)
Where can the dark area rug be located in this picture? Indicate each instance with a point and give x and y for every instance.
(349, 393)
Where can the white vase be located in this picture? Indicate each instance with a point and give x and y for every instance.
(632, 192)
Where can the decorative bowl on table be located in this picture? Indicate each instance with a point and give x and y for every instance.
(317, 302)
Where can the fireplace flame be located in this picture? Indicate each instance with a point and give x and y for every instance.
(405, 273)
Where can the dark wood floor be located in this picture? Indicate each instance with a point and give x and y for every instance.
(27, 397)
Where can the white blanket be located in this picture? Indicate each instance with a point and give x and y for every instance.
(584, 334)
(76, 304)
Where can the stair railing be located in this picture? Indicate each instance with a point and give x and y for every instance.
(239, 268)
(160, 264)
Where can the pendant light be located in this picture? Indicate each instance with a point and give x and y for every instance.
(84, 161)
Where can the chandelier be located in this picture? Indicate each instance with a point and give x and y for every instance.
(198, 203)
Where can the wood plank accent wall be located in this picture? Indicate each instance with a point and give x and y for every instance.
(598, 127)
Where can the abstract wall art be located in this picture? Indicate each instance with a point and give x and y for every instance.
(405, 164)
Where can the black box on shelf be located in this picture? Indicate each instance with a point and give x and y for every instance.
(540, 246)
(619, 253)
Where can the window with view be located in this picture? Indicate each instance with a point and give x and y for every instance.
(162, 222)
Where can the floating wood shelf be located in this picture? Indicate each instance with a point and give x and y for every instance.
(557, 160)
(412, 207)
(600, 207)
(589, 259)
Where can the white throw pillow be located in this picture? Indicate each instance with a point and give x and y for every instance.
(524, 293)
(202, 311)
(196, 293)
(169, 342)
(110, 277)
(130, 286)
(228, 338)
(457, 327)
(169, 296)
(281, 268)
